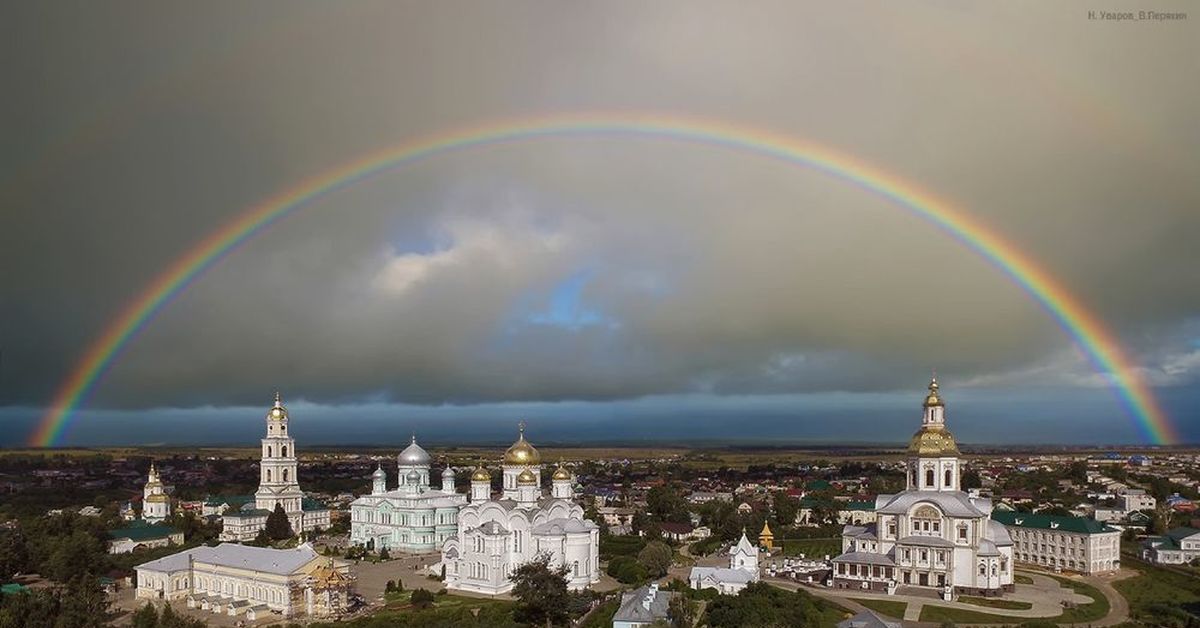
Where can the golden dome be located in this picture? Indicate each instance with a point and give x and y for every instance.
(278, 411)
(481, 475)
(561, 473)
(933, 398)
(527, 477)
(157, 498)
(522, 452)
(933, 441)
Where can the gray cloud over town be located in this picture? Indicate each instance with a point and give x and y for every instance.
(594, 268)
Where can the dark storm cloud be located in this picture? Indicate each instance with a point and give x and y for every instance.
(139, 129)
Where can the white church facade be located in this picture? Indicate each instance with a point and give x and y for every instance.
(414, 517)
(156, 503)
(278, 485)
(932, 535)
(497, 534)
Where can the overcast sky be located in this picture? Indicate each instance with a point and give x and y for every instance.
(591, 275)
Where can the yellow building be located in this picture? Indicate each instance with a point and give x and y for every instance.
(765, 538)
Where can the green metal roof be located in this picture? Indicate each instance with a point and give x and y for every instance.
(12, 588)
(310, 504)
(1050, 522)
(860, 506)
(1179, 534)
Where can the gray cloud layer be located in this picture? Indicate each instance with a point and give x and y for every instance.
(137, 129)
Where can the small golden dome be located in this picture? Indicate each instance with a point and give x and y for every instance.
(561, 473)
(277, 411)
(933, 398)
(933, 441)
(522, 452)
(481, 475)
(527, 477)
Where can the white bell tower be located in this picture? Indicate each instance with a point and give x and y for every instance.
(278, 483)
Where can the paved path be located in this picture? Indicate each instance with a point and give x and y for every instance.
(1118, 606)
(1046, 594)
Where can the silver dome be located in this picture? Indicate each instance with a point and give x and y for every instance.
(448, 472)
(379, 473)
(414, 477)
(414, 455)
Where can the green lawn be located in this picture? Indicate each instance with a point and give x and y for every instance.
(812, 548)
(831, 613)
(1020, 579)
(1097, 609)
(1159, 594)
(891, 608)
(995, 602)
(603, 615)
(942, 614)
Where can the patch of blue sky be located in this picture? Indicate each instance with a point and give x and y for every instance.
(566, 309)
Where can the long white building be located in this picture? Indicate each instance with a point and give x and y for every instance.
(1066, 543)
(933, 534)
(496, 536)
(278, 484)
(246, 581)
(413, 517)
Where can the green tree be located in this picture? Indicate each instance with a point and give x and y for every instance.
(541, 593)
(169, 619)
(83, 603)
(656, 557)
(278, 526)
(664, 503)
(682, 611)
(14, 554)
(422, 598)
(971, 479)
(145, 617)
(786, 509)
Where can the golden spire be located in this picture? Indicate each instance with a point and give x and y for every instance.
(278, 400)
(934, 398)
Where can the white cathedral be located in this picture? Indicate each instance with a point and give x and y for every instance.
(933, 534)
(497, 535)
(278, 484)
(414, 517)
(156, 504)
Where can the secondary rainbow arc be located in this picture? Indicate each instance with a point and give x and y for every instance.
(1087, 330)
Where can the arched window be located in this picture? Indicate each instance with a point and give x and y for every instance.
(928, 478)
(285, 479)
(268, 475)
(949, 479)
(283, 451)
(914, 477)
(982, 569)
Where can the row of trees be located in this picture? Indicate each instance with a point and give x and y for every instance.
(79, 603)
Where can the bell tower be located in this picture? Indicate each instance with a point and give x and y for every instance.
(278, 483)
(934, 465)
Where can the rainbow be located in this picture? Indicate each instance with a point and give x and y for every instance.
(1088, 332)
